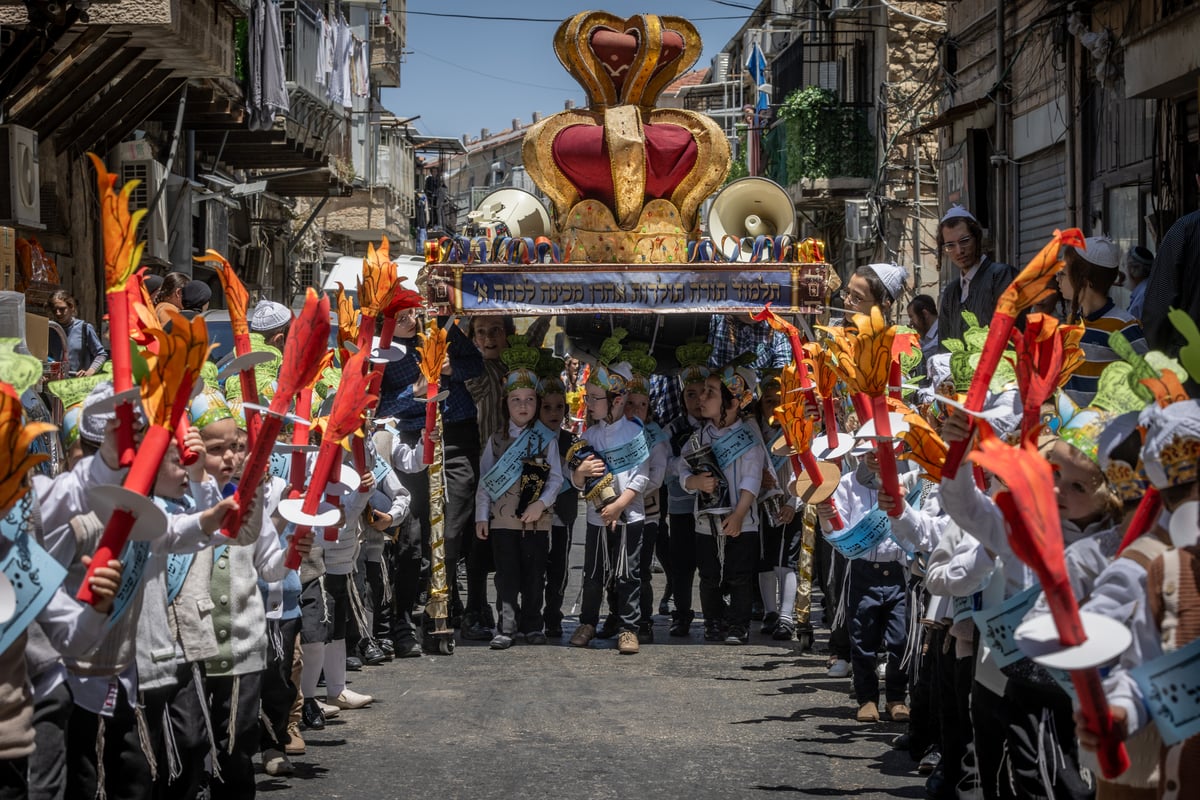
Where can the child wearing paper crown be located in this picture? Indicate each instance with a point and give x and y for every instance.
(727, 546)
(637, 408)
(520, 475)
(553, 414)
(1158, 598)
(615, 514)
(1036, 713)
(680, 504)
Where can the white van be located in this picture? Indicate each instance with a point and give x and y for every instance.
(348, 271)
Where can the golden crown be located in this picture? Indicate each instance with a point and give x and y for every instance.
(1129, 483)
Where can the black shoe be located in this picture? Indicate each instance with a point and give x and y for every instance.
(311, 716)
(476, 632)
(680, 627)
(353, 664)
(737, 635)
(408, 648)
(486, 618)
(610, 628)
(713, 632)
(645, 634)
(554, 630)
(902, 741)
(664, 606)
(783, 631)
(770, 623)
(371, 654)
(387, 647)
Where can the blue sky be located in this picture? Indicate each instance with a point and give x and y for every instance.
(461, 75)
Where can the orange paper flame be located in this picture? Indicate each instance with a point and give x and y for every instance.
(347, 318)
(181, 353)
(797, 427)
(236, 296)
(864, 352)
(820, 366)
(1032, 283)
(925, 448)
(352, 398)
(15, 440)
(379, 282)
(122, 253)
(433, 347)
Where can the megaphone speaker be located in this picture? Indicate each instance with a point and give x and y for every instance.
(748, 208)
(519, 211)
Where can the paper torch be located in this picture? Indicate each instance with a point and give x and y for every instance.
(1029, 287)
(433, 354)
(1030, 506)
(303, 360)
(815, 480)
(16, 438)
(122, 253)
(166, 392)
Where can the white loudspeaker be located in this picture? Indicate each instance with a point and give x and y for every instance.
(516, 209)
(22, 203)
(747, 208)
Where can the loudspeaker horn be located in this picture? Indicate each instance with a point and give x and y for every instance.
(747, 208)
(518, 211)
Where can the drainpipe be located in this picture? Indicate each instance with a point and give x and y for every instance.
(1001, 205)
(1075, 176)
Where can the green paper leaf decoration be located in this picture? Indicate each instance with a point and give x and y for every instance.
(953, 345)
(970, 318)
(908, 363)
(73, 391)
(1115, 391)
(209, 374)
(1161, 362)
(975, 338)
(1141, 368)
(962, 368)
(1189, 354)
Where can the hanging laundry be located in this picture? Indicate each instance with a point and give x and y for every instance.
(324, 51)
(339, 68)
(266, 94)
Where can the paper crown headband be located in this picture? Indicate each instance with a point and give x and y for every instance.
(522, 361)
(208, 407)
(1172, 446)
(549, 369)
(610, 374)
(642, 364)
(693, 362)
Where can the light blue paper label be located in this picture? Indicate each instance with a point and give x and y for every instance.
(964, 607)
(280, 465)
(628, 456)
(731, 446)
(998, 625)
(508, 467)
(654, 434)
(1171, 686)
(178, 565)
(381, 471)
(861, 538)
(18, 519)
(777, 461)
(33, 573)
(134, 558)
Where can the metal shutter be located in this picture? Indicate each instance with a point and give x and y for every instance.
(1041, 200)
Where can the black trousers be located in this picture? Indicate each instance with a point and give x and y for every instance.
(235, 756)
(1040, 721)
(126, 770)
(989, 723)
(520, 578)
(557, 570)
(829, 568)
(925, 701)
(381, 610)
(408, 566)
(48, 763)
(176, 713)
(613, 553)
(645, 566)
(878, 615)
(14, 783)
(278, 690)
(662, 546)
(738, 577)
(682, 540)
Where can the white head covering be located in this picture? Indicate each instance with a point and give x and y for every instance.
(1102, 252)
(892, 276)
(269, 315)
(1172, 444)
(957, 212)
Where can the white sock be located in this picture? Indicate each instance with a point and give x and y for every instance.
(335, 668)
(769, 591)
(314, 661)
(787, 580)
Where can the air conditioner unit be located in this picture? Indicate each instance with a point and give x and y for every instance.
(153, 229)
(255, 264)
(22, 203)
(858, 221)
(720, 68)
(844, 6)
(216, 227)
(783, 7)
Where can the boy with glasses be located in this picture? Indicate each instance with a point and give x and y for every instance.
(978, 282)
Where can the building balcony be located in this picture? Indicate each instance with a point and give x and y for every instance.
(385, 54)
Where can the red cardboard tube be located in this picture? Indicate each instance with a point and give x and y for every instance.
(830, 418)
(1143, 518)
(886, 453)
(989, 359)
(813, 469)
(1093, 704)
(122, 360)
(430, 422)
(141, 480)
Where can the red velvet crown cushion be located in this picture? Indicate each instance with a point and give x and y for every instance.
(616, 52)
(580, 152)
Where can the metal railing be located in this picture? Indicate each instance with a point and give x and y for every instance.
(301, 44)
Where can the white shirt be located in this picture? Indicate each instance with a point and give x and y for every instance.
(967, 277)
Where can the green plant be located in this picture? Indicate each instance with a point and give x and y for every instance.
(824, 137)
(737, 165)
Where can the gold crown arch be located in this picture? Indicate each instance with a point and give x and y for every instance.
(636, 229)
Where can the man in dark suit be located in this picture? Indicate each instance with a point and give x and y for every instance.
(978, 281)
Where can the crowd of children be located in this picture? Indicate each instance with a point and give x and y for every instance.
(205, 652)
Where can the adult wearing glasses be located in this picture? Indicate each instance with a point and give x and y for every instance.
(978, 282)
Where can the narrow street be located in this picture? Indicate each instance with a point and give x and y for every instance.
(682, 719)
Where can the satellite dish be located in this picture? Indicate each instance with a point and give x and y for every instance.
(517, 211)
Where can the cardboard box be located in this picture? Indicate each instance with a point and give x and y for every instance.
(8, 259)
(37, 335)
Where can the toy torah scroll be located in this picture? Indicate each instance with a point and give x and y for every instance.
(626, 179)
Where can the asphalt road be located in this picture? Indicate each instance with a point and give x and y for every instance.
(681, 719)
